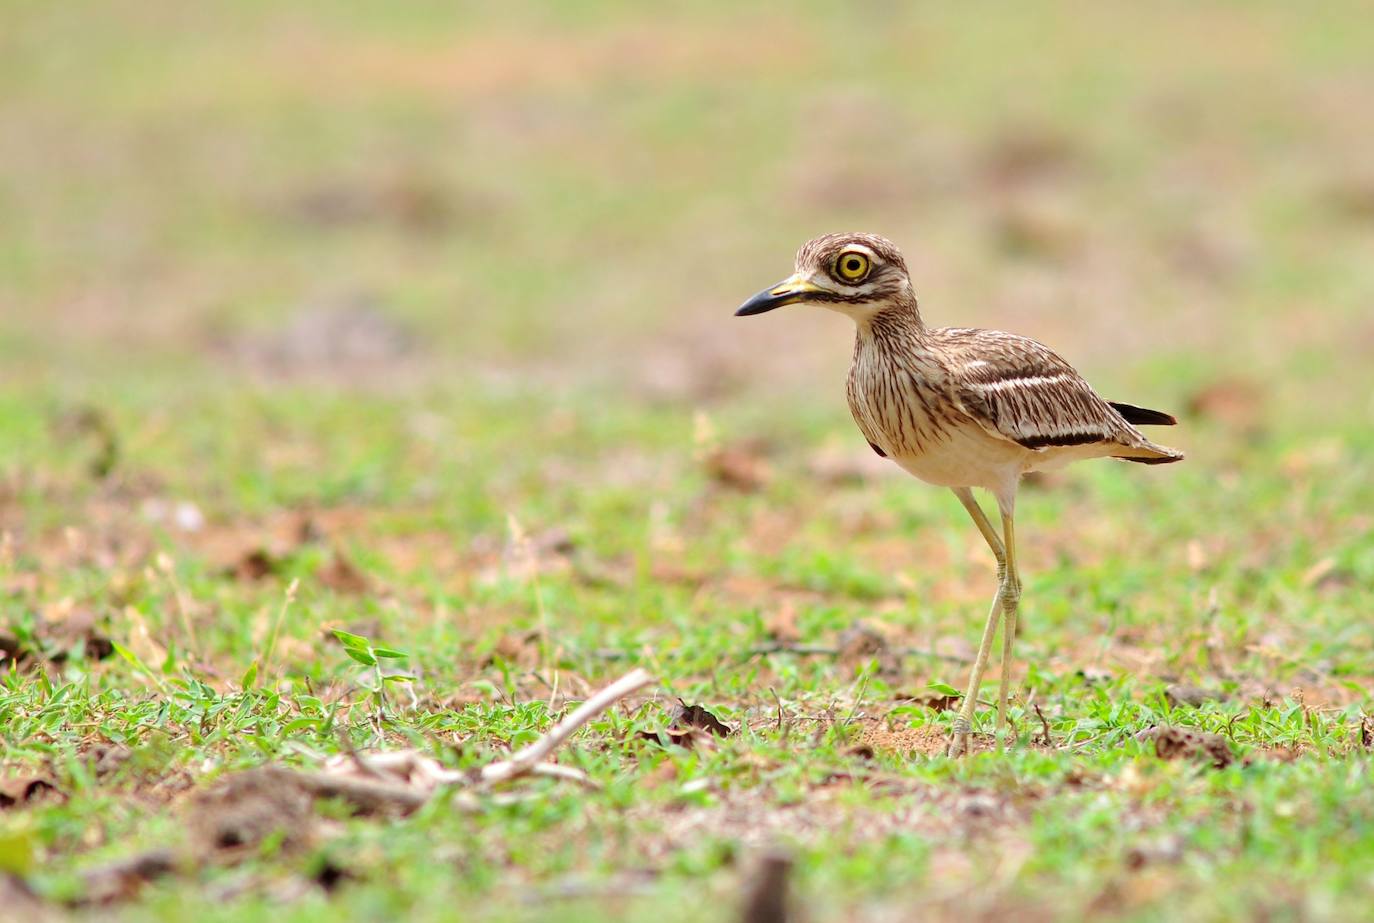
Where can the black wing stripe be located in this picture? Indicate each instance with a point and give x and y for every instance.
(1040, 442)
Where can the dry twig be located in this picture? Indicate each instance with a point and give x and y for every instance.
(527, 759)
(1044, 725)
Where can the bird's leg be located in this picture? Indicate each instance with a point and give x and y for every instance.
(963, 724)
(1010, 593)
(985, 526)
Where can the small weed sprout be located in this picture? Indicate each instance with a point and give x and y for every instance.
(371, 655)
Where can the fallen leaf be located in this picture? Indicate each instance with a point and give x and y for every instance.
(694, 716)
(935, 701)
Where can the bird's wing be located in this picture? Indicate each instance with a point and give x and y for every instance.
(1022, 391)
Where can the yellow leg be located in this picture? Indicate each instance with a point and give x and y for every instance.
(963, 724)
(980, 519)
(1010, 594)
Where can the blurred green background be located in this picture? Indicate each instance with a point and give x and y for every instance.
(428, 305)
(580, 194)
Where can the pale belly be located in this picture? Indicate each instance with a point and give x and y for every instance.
(909, 416)
(966, 458)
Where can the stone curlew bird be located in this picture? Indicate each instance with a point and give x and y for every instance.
(959, 407)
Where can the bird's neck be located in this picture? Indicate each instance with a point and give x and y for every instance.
(899, 317)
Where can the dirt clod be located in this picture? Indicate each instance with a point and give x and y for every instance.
(1180, 694)
(1175, 743)
(123, 880)
(20, 790)
(739, 467)
(342, 576)
(766, 893)
(245, 809)
(104, 759)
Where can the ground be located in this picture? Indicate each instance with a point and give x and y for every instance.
(413, 323)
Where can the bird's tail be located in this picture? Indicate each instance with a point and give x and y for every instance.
(1141, 416)
(1148, 453)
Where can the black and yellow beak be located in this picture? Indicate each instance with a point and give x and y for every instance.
(789, 291)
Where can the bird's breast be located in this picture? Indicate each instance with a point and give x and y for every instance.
(901, 407)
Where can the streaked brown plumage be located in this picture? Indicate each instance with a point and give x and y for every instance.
(957, 406)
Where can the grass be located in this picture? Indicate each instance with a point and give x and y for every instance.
(551, 455)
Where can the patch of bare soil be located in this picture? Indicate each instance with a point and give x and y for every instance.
(875, 736)
(236, 816)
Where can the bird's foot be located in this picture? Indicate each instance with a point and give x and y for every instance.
(958, 744)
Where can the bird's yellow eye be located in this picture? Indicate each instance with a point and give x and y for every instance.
(852, 266)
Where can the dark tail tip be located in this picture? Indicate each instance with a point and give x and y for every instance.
(1165, 460)
(1140, 416)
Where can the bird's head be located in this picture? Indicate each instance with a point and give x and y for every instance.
(861, 275)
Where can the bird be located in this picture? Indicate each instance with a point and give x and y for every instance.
(959, 407)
